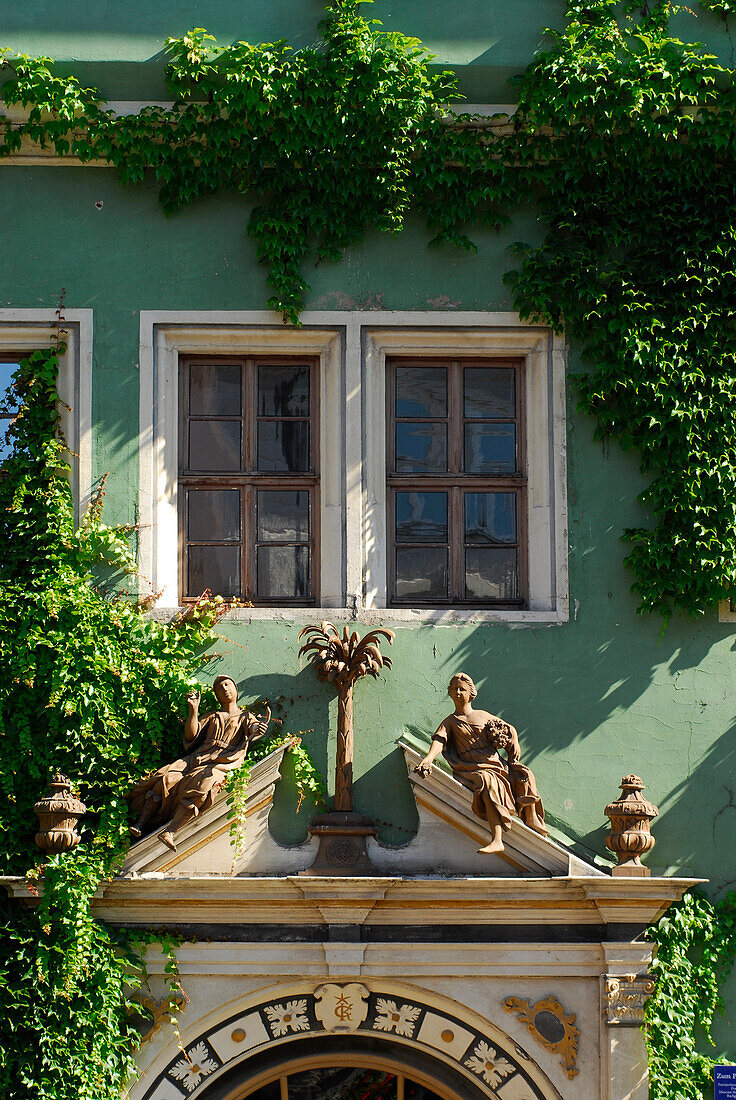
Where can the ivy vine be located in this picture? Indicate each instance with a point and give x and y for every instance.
(90, 686)
(696, 947)
(307, 780)
(624, 137)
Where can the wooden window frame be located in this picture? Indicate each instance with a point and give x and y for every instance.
(456, 482)
(248, 481)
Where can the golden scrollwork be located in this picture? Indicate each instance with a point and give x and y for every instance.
(161, 1011)
(551, 1026)
(625, 998)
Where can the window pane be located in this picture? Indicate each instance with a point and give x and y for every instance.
(490, 517)
(490, 392)
(415, 1091)
(491, 574)
(283, 572)
(213, 515)
(8, 396)
(421, 391)
(421, 448)
(6, 447)
(421, 574)
(214, 567)
(490, 448)
(337, 1083)
(214, 389)
(214, 445)
(283, 445)
(283, 391)
(283, 516)
(421, 517)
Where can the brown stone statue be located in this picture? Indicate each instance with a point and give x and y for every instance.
(216, 745)
(471, 740)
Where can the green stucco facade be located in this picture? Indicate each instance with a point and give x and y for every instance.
(608, 692)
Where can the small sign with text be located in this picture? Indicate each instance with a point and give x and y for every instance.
(724, 1080)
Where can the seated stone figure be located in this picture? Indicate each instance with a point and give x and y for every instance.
(217, 743)
(470, 740)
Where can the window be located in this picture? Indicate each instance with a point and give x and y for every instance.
(456, 487)
(248, 479)
(475, 494)
(8, 402)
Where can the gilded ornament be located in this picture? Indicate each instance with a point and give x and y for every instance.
(626, 997)
(161, 1011)
(551, 1026)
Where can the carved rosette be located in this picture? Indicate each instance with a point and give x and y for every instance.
(58, 814)
(630, 837)
(625, 997)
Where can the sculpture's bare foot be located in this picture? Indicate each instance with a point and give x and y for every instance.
(168, 839)
(135, 831)
(489, 849)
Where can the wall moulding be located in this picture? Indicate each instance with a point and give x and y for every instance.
(352, 346)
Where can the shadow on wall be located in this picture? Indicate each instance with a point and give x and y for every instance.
(303, 712)
(636, 700)
(701, 809)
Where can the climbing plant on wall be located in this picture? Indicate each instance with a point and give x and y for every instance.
(624, 137)
(90, 686)
(696, 945)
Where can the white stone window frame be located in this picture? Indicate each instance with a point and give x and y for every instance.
(29, 329)
(352, 347)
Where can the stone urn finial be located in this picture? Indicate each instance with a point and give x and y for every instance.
(58, 814)
(630, 836)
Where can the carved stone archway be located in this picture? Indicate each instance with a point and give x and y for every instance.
(429, 1039)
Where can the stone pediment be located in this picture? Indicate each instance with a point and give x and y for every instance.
(449, 835)
(204, 845)
(445, 845)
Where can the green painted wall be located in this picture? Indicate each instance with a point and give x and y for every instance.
(606, 693)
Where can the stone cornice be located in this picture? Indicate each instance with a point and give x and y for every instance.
(153, 898)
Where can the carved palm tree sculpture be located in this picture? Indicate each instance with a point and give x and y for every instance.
(343, 661)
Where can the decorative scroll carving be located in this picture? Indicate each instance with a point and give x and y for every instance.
(161, 1011)
(551, 1026)
(625, 997)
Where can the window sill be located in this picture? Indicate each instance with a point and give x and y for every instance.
(382, 616)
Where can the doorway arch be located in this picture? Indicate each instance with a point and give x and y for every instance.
(411, 1033)
(413, 1074)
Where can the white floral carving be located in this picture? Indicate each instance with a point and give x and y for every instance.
(489, 1064)
(391, 1017)
(289, 1017)
(193, 1067)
